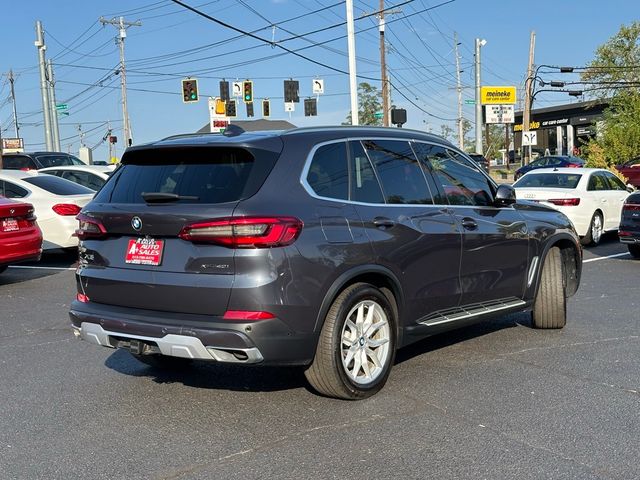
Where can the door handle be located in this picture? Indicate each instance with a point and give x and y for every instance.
(469, 223)
(383, 222)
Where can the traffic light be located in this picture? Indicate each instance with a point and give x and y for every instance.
(266, 108)
(310, 107)
(291, 88)
(224, 90)
(190, 90)
(231, 108)
(398, 116)
(250, 109)
(247, 91)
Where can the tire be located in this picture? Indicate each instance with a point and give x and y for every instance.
(163, 362)
(634, 250)
(352, 363)
(596, 229)
(3, 268)
(550, 307)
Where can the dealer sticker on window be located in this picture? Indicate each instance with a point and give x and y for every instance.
(10, 225)
(144, 251)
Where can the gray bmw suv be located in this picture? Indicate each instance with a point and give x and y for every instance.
(325, 247)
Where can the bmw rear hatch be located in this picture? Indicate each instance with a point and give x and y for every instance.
(146, 238)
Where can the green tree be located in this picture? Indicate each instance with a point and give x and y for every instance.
(614, 74)
(447, 133)
(369, 102)
(618, 137)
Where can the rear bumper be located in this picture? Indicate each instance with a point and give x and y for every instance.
(192, 336)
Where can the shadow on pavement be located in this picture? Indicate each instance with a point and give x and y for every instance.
(205, 375)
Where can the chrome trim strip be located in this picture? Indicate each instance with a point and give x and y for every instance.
(309, 190)
(532, 271)
(171, 345)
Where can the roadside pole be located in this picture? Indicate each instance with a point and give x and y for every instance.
(526, 114)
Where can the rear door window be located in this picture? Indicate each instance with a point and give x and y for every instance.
(49, 160)
(328, 174)
(597, 182)
(364, 184)
(201, 175)
(397, 168)
(57, 185)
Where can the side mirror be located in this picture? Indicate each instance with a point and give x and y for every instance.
(505, 196)
(630, 188)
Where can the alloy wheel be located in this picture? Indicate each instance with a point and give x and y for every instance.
(365, 342)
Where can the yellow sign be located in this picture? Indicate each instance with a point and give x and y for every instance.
(498, 95)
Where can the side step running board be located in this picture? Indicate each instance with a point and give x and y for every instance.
(469, 311)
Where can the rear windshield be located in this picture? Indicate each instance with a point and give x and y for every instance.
(548, 180)
(202, 175)
(57, 185)
(58, 160)
(17, 162)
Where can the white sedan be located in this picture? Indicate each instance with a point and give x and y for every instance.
(90, 176)
(56, 201)
(592, 198)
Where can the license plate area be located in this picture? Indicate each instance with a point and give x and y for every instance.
(10, 225)
(144, 251)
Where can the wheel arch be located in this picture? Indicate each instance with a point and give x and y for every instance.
(571, 254)
(376, 275)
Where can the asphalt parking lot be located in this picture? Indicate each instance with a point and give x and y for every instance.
(493, 401)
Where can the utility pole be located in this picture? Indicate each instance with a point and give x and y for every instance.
(46, 104)
(122, 34)
(459, 88)
(479, 43)
(55, 130)
(526, 114)
(13, 99)
(351, 43)
(383, 68)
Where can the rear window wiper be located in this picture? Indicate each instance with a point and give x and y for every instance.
(161, 197)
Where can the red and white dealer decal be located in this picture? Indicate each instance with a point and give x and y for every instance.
(144, 251)
(10, 225)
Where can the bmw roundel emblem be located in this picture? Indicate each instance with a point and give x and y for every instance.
(136, 223)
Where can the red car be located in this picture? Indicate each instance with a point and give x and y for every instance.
(20, 236)
(631, 170)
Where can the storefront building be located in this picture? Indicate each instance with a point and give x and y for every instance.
(562, 129)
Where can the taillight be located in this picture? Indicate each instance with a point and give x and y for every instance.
(631, 207)
(574, 165)
(89, 227)
(247, 315)
(81, 297)
(245, 232)
(66, 209)
(565, 202)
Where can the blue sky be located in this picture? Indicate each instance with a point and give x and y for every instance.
(173, 43)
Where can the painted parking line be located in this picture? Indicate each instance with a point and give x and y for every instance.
(41, 268)
(607, 256)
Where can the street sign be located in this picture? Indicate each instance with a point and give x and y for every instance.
(498, 95)
(529, 138)
(318, 86)
(62, 106)
(62, 113)
(378, 114)
(469, 102)
(289, 107)
(218, 122)
(237, 89)
(499, 114)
